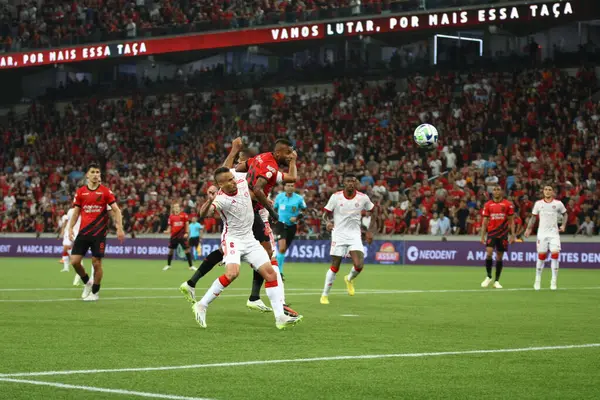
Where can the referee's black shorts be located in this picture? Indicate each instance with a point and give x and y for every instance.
(194, 241)
(287, 232)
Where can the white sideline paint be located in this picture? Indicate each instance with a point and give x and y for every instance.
(307, 293)
(102, 390)
(174, 289)
(300, 360)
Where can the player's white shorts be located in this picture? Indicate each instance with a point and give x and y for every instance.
(548, 244)
(344, 246)
(236, 250)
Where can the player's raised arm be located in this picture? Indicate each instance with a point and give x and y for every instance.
(207, 209)
(242, 167)
(292, 174)
(236, 147)
(261, 197)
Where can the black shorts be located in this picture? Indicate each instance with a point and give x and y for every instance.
(258, 229)
(176, 242)
(500, 243)
(287, 232)
(95, 244)
(194, 242)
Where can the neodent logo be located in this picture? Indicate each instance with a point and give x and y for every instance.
(412, 253)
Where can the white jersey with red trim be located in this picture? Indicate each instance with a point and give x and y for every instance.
(548, 212)
(347, 213)
(236, 210)
(69, 219)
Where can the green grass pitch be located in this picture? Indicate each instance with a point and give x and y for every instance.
(439, 326)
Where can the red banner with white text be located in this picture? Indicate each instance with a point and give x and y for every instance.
(548, 11)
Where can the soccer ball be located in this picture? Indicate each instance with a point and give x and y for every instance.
(426, 136)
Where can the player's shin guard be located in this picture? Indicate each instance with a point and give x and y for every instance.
(257, 282)
(169, 258)
(189, 258)
(215, 290)
(488, 267)
(498, 270)
(275, 294)
(280, 261)
(275, 266)
(329, 279)
(539, 267)
(354, 273)
(554, 266)
(207, 265)
(65, 260)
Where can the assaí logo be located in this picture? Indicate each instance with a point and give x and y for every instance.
(387, 254)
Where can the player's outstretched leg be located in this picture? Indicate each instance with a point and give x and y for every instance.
(358, 265)
(330, 278)
(169, 259)
(87, 282)
(554, 267)
(188, 288)
(488, 269)
(188, 256)
(539, 268)
(65, 260)
(98, 273)
(275, 293)
(213, 292)
(499, 266)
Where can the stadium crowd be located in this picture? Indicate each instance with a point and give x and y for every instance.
(515, 129)
(51, 23)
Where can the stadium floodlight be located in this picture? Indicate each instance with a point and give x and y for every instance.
(459, 38)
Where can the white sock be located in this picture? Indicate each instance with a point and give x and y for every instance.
(329, 279)
(76, 280)
(539, 268)
(279, 280)
(353, 273)
(275, 294)
(66, 263)
(554, 266)
(215, 290)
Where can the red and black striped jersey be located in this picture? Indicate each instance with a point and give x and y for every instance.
(177, 224)
(498, 213)
(93, 205)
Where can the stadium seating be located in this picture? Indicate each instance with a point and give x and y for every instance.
(516, 129)
(59, 23)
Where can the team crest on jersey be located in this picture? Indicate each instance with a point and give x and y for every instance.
(293, 209)
(99, 197)
(357, 205)
(269, 174)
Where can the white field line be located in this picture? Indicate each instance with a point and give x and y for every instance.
(102, 390)
(174, 289)
(301, 360)
(315, 292)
